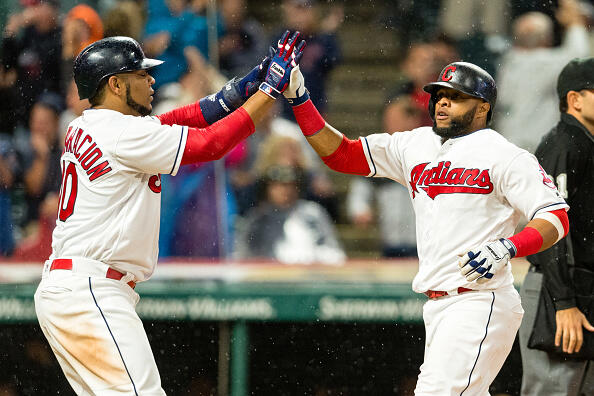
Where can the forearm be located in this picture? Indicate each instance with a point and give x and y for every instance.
(208, 110)
(337, 151)
(257, 106)
(326, 141)
(541, 233)
(213, 142)
(190, 115)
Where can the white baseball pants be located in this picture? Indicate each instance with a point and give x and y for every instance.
(92, 327)
(468, 338)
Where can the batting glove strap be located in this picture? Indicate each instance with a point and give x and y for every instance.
(269, 90)
(482, 263)
(509, 245)
(299, 100)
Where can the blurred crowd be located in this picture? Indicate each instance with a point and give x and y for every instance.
(271, 197)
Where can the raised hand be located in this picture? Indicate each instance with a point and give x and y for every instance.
(238, 90)
(296, 93)
(286, 58)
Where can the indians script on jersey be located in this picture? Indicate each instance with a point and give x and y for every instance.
(442, 180)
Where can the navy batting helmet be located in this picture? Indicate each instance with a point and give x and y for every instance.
(105, 58)
(464, 77)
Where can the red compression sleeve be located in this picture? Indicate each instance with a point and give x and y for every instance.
(309, 119)
(348, 158)
(213, 142)
(190, 115)
(529, 241)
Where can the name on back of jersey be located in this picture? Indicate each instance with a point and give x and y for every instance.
(85, 150)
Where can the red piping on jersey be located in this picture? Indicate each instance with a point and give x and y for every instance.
(529, 240)
(348, 158)
(213, 142)
(189, 115)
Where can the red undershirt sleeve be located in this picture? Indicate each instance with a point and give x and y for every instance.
(348, 158)
(190, 115)
(529, 240)
(214, 141)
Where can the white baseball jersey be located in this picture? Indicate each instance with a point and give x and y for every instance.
(470, 190)
(110, 198)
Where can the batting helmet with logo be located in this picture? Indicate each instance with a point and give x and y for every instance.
(105, 58)
(464, 77)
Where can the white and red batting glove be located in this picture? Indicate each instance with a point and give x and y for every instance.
(482, 263)
(296, 93)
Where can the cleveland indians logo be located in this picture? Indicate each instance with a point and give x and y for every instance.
(447, 73)
(546, 180)
(442, 180)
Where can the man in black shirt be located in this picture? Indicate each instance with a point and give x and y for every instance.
(567, 155)
(31, 46)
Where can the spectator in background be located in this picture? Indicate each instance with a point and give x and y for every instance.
(393, 212)
(31, 45)
(412, 20)
(407, 102)
(190, 202)
(405, 110)
(275, 143)
(285, 228)
(243, 41)
(200, 80)
(8, 173)
(323, 49)
(479, 28)
(41, 158)
(126, 18)
(169, 30)
(8, 96)
(527, 101)
(81, 27)
(463, 18)
(74, 108)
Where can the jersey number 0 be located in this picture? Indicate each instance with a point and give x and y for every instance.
(68, 189)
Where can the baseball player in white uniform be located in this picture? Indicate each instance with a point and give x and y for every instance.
(469, 187)
(105, 240)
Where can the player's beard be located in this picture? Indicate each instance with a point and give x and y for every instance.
(140, 109)
(458, 126)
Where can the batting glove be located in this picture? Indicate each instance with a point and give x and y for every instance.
(482, 263)
(296, 93)
(235, 92)
(286, 58)
(238, 90)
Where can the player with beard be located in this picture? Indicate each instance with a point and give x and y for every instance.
(469, 188)
(456, 125)
(106, 235)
